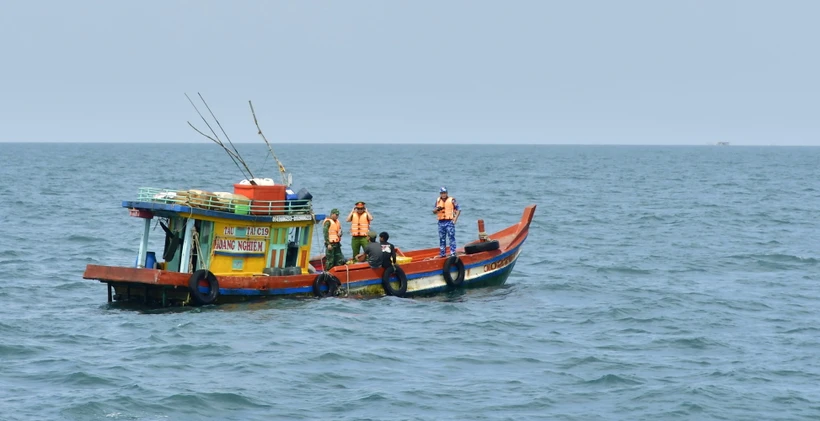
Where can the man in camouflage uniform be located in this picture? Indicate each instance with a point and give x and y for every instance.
(332, 229)
(447, 210)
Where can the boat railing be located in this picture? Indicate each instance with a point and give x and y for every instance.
(225, 202)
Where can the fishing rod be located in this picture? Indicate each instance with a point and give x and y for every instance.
(234, 156)
(220, 125)
(282, 170)
(230, 152)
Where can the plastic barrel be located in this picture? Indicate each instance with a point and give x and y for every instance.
(150, 260)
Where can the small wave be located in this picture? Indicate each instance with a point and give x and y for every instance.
(331, 356)
(563, 286)
(694, 343)
(642, 320)
(81, 378)
(372, 397)
(719, 373)
(8, 351)
(613, 379)
(790, 400)
(77, 238)
(730, 184)
(776, 257)
(211, 400)
(744, 305)
(575, 362)
(70, 286)
(616, 312)
(803, 330)
(687, 270)
(633, 330)
(650, 218)
(624, 270)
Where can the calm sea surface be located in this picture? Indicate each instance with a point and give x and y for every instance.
(657, 283)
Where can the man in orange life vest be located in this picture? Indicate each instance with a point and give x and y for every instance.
(359, 219)
(332, 229)
(447, 211)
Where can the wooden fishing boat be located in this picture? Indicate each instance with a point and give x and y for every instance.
(256, 241)
(222, 248)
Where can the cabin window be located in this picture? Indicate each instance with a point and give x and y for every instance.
(172, 250)
(206, 234)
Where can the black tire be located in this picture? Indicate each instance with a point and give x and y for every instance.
(213, 284)
(388, 285)
(480, 246)
(448, 265)
(331, 284)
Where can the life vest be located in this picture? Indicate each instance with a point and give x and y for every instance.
(447, 212)
(334, 232)
(359, 224)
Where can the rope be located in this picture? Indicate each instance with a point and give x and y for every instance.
(347, 269)
(195, 237)
(321, 261)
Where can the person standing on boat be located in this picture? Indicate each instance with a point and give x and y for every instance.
(359, 219)
(447, 211)
(388, 250)
(372, 253)
(332, 229)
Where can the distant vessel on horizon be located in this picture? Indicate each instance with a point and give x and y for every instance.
(722, 143)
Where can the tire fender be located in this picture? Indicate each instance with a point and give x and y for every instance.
(479, 246)
(448, 265)
(330, 283)
(213, 284)
(388, 286)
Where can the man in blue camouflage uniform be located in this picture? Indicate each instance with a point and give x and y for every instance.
(447, 210)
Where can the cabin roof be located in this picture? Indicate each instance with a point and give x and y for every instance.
(173, 209)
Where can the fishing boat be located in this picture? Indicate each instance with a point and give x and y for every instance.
(255, 242)
(214, 254)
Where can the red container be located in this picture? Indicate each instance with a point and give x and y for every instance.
(265, 200)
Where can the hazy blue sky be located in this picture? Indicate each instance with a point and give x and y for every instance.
(569, 72)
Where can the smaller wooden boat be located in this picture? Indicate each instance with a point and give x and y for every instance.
(255, 243)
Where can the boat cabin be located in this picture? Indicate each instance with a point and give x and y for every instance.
(254, 231)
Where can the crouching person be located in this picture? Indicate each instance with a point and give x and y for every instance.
(372, 252)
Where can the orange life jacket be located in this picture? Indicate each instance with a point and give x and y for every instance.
(359, 224)
(334, 232)
(447, 212)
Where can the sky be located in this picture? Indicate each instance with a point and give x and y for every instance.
(528, 72)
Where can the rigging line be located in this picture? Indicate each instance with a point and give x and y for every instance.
(223, 132)
(282, 169)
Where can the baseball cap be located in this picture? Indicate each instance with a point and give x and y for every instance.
(371, 234)
(443, 190)
(334, 210)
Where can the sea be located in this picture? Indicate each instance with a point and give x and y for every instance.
(657, 283)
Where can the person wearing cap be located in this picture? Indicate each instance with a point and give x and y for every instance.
(447, 210)
(372, 252)
(359, 219)
(332, 229)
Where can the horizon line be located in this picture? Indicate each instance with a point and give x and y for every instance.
(415, 144)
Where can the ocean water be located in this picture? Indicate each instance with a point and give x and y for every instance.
(657, 283)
